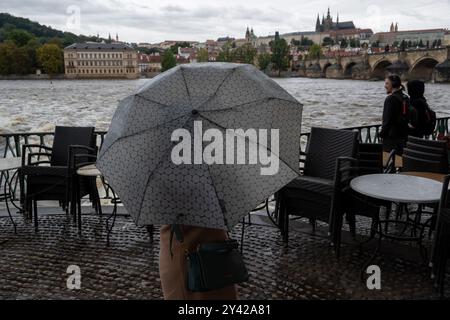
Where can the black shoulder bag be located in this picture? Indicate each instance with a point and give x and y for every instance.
(214, 265)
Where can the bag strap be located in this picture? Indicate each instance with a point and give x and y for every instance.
(176, 230)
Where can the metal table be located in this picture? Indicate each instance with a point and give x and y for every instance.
(400, 189)
(6, 165)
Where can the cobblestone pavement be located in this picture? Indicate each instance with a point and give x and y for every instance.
(33, 265)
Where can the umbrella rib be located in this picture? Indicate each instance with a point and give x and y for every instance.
(217, 197)
(153, 101)
(223, 128)
(250, 102)
(153, 172)
(187, 89)
(218, 88)
(145, 130)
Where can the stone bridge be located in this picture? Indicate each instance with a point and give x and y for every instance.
(417, 64)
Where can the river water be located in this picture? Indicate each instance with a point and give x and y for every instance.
(39, 105)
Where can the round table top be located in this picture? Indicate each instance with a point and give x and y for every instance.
(10, 163)
(398, 188)
(89, 171)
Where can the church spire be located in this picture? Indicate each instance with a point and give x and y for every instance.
(318, 24)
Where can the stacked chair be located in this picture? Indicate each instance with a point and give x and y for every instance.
(47, 173)
(329, 164)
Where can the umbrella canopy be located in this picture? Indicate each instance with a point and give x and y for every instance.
(195, 106)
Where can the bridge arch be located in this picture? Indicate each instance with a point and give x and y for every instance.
(348, 69)
(423, 68)
(325, 67)
(379, 70)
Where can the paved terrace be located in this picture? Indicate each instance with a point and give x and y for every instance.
(33, 265)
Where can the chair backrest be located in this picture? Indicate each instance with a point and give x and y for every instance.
(324, 147)
(66, 136)
(414, 160)
(424, 148)
(411, 163)
(430, 147)
(426, 142)
(370, 158)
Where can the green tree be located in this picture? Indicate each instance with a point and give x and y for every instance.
(13, 60)
(305, 41)
(57, 41)
(20, 37)
(50, 58)
(327, 41)
(177, 45)
(264, 60)
(245, 54)
(227, 54)
(403, 45)
(344, 43)
(315, 51)
(31, 48)
(202, 55)
(280, 53)
(168, 60)
(439, 43)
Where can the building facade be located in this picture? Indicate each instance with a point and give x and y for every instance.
(428, 35)
(100, 60)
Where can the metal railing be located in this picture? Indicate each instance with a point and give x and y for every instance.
(11, 143)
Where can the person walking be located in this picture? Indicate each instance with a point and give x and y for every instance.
(394, 128)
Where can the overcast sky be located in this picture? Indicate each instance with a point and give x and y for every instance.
(155, 21)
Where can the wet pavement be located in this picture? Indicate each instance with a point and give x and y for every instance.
(34, 265)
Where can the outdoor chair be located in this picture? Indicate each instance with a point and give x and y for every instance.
(423, 162)
(430, 150)
(441, 244)
(315, 194)
(49, 176)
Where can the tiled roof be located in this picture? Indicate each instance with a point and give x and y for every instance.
(413, 31)
(99, 46)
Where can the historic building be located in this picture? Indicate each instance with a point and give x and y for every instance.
(100, 60)
(250, 37)
(396, 37)
(328, 24)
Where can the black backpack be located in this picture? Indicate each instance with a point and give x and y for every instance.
(409, 114)
(429, 123)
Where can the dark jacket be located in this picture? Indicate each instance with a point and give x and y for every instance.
(416, 90)
(394, 127)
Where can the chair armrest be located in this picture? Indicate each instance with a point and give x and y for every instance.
(344, 174)
(86, 148)
(81, 164)
(33, 154)
(25, 146)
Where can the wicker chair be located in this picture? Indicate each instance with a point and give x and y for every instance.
(315, 194)
(441, 244)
